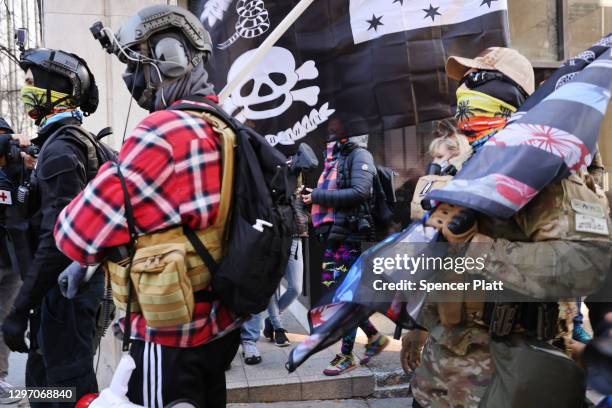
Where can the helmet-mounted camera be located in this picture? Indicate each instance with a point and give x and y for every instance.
(98, 32)
(21, 38)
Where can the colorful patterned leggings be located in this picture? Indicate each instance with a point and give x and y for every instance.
(337, 261)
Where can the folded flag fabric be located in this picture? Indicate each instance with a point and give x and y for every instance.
(355, 299)
(555, 137)
(565, 74)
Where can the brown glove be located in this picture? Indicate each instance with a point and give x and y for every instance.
(412, 347)
(457, 224)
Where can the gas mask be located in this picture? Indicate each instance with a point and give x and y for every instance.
(135, 79)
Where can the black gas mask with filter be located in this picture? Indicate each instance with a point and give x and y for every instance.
(155, 54)
(134, 79)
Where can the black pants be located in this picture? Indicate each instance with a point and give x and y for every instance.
(167, 374)
(63, 331)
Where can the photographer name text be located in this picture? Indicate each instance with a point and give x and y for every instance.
(424, 285)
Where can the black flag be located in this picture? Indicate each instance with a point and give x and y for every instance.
(373, 64)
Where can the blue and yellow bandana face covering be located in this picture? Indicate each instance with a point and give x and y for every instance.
(479, 115)
(38, 107)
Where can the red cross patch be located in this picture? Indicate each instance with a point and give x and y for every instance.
(5, 197)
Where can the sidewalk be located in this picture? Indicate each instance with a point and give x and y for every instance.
(350, 403)
(269, 381)
(16, 377)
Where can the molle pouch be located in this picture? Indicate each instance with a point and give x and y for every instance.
(567, 210)
(162, 285)
(118, 276)
(423, 187)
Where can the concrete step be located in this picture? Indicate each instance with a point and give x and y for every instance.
(392, 384)
(390, 378)
(392, 391)
(270, 382)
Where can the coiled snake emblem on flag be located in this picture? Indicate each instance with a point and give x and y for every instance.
(253, 21)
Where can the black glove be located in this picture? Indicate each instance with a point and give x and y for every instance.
(70, 279)
(457, 224)
(462, 222)
(13, 331)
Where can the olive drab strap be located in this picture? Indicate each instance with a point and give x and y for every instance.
(84, 138)
(93, 163)
(228, 140)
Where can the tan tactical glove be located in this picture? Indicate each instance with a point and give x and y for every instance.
(457, 224)
(412, 347)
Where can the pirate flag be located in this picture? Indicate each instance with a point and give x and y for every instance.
(375, 64)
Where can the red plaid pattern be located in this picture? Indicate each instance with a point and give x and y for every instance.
(172, 166)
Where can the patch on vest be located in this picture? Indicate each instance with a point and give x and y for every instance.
(5, 197)
(364, 167)
(594, 225)
(586, 208)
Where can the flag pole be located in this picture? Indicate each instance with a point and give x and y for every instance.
(263, 49)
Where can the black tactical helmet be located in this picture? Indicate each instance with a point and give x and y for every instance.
(164, 18)
(169, 42)
(68, 66)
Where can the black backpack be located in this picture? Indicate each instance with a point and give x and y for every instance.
(383, 194)
(260, 223)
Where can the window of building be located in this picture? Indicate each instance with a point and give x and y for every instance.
(533, 28)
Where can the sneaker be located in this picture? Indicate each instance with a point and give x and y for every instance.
(374, 347)
(280, 337)
(581, 335)
(5, 393)
(250, 353)
(268, 330)
(342, 363)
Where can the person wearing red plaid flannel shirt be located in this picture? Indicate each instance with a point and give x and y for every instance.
(171, 164)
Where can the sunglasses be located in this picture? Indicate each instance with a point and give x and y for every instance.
(479, 78)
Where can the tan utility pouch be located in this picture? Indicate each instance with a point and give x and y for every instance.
(567, 210)
(119, 278)
(423, 187)
(165, 269)
(159, 277)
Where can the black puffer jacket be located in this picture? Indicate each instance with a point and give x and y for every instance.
(353, 198)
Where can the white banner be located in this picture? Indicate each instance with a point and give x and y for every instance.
(372, 19)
